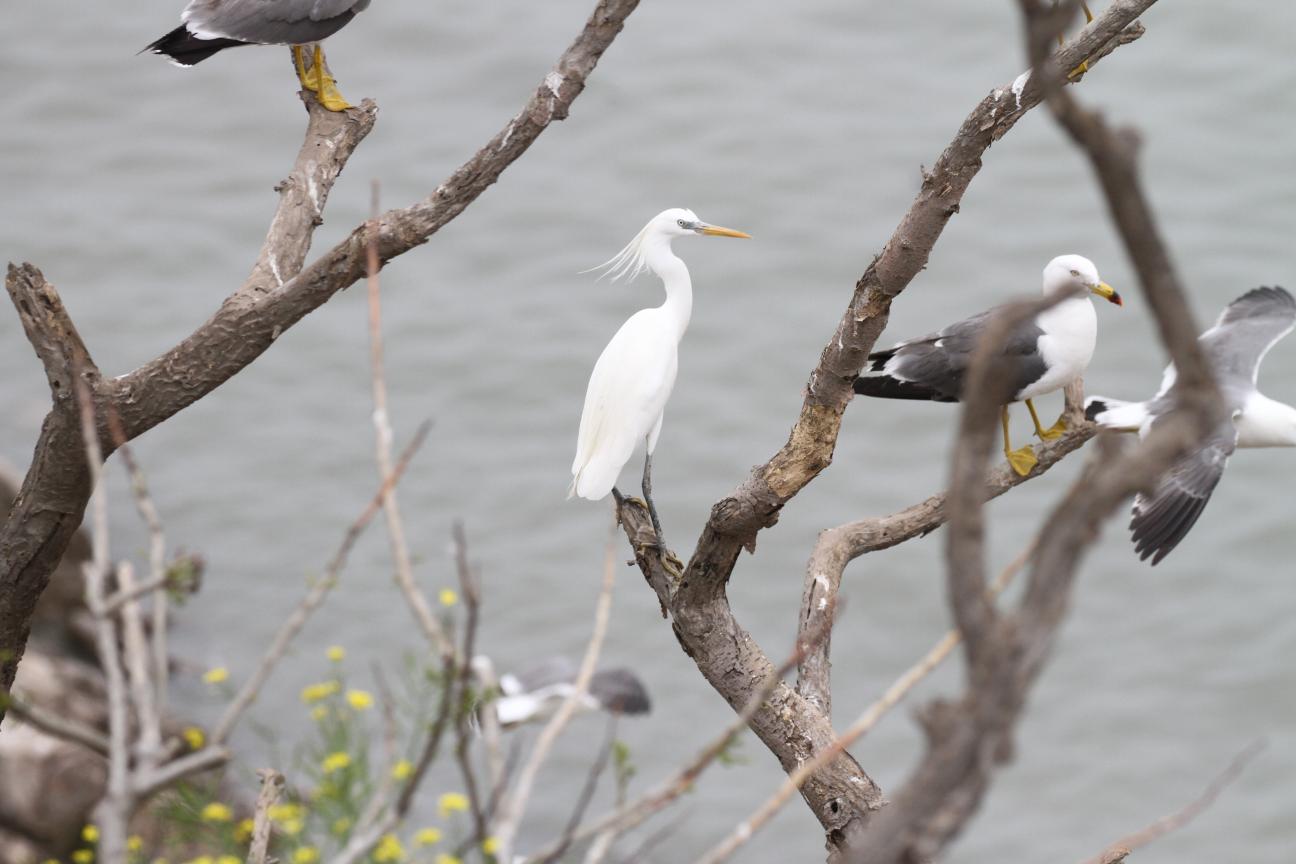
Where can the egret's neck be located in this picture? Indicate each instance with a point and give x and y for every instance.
(675, 277)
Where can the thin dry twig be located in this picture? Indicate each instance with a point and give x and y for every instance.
(56, 725)
(514, 805)
(1184, 815)
(314, 596)
(271, 786)
(587, 792)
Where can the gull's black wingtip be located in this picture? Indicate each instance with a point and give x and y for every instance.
(185, 49)
(1094, 408)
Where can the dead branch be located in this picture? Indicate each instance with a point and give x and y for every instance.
(837, 547)
(276, 295)
(840, 795)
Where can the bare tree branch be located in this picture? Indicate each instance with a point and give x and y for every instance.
(837, 547)
(271, 785)
(275, 296)
(1174, 821)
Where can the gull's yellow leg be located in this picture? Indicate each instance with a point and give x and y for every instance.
(1023, 459)
(1084, 65)
(327, 92)
(299, 63)
(1054, 431)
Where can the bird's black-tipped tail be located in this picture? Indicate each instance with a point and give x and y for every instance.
(186, 49)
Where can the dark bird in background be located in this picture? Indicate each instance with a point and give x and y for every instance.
(1043, 354)
(208, 26)
(1235, 346)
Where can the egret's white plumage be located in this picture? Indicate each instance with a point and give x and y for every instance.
(635, 374)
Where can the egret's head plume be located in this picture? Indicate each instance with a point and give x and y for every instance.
(662, 228)
(1070, 272)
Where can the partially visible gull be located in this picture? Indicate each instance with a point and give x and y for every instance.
(1044, 353)
(209, 26)
(1244, 333)
(535, 693)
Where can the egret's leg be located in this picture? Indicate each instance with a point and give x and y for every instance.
(1023, 459)
(327, 92)
(1054, 431)
(652, 508)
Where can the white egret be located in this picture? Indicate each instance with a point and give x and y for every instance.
(209, 26)
(634, 375)
(1045, 353)
(1244, 333)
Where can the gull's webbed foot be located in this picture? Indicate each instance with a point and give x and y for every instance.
(1022, 460)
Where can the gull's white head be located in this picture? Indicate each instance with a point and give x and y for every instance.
(1072, 272)
(660, 231)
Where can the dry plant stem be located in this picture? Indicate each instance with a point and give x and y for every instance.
(414, 598)
(271, 785)
(631, 815)
(59, 727)
(277, 294)
(112, 814)
(1181, 817)
(514, 805)
(841, 795)
(314, 597)
(148, 746)
(837, 547)
(464, 735)
(586, 794)
(864, 724)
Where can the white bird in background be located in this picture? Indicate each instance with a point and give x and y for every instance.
(634, 375)
(1246, 330)
(1043, 354)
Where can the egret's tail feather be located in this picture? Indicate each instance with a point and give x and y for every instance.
(1115, 414)
(595, 480)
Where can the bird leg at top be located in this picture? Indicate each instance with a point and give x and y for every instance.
(1049, 434)
(317, 79)
(1022, 459)
(1084, 64)
(652, 508)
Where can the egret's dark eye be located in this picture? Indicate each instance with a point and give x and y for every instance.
(681, 223)
(1075, 272)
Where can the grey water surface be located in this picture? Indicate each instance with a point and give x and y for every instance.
(143, 192)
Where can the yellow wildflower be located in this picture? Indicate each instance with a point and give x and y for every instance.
(291, 827)
(359, 699)
(427, 837)
(216, 812)
(194, 737)
(389, 849)
(336, 653)
(449, 597)
(491, 845)
(82, 856)
(229, 859)
(90, 834)
(243, 830)
(342, 825)
(319, 712)
(201, 859)
(402, 770)
(335, 762)
(216, 675)
(447, 859)
(305, 855)
(452, 802)
(318, 692)
(134, 843)
(284, 812)
(159, 861)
